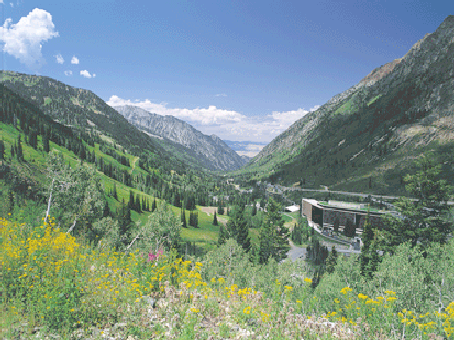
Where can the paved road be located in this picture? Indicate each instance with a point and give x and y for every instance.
(300, 252)
(348, 193)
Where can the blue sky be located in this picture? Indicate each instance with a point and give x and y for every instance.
(244, 70)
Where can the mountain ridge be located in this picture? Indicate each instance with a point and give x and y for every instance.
(395, 109)
(212, 150)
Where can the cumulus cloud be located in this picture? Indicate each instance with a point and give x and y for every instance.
(86, 74)
(227, 124)
(59, 58)
(68, 73)
(208, 116)
(24, 39)
(74, 60)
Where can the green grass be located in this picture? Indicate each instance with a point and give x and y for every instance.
(373, 100)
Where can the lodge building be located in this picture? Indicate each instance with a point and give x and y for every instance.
(325, 215)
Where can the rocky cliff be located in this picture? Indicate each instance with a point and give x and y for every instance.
(211, 150)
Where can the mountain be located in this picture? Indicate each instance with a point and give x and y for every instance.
(86, 113)
(366, 137)
(211, 151)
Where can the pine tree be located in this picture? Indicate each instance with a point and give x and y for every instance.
(220, 208)
(336, 225)
(366, 251)
(297, 236)
(266, 246)
(115, 191)
(254, 209)
(350, 228)
(2, 150)
(106, 210)
(239, 228)
(331, 261)
(254, 254)
(19, 154)
(131, 204)
(215, 219)
(144, 204)
(222, 238)
(137, 205)
(124, 219)
(424, 220)
(183, 218)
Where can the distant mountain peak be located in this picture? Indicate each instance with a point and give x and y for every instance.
(212, 151)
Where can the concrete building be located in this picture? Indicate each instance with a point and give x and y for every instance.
(325, 215)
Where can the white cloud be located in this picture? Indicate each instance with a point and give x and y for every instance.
(74, 60)
(68, 73)
(221, 95)
(227, 124)
(11, 4)
(86, 74)
(24, 39)
(211, 115)
(59, 58)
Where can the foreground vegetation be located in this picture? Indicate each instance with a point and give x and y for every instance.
(56, 284)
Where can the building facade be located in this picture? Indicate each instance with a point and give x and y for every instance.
(325, 216)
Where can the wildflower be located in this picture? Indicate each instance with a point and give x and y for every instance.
(345, 290)
(308, 280)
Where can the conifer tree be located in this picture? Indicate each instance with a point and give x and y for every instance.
(424, 220)
(19, 154)
(273, 235)
(215, 219)
(238, 228)
(220, 208)
(254, 208)
(350, 228)
(183, 218)
(115, 191)
(366, 251)
(2, 150)
(124, 219)
(297, 236)
(106, 210)
(45, 140)
(131, 204)
(331, 261)
(137, 205)
(222, 238)
(336, 225)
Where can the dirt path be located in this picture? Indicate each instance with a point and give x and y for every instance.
(210, 211)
